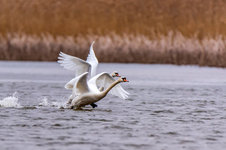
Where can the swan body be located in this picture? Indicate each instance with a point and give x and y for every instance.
(93, 86)
(97, 84)
(88, 95)
(80, 66)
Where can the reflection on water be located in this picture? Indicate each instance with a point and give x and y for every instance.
(170, 107)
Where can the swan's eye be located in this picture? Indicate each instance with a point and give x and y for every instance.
(116, 73)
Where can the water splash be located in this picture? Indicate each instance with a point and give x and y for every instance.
(45, 103)
(10, 101)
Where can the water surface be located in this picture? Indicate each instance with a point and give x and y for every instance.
(170, 107)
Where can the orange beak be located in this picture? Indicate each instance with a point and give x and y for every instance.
(124, 80)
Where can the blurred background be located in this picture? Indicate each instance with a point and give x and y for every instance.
(128, 31)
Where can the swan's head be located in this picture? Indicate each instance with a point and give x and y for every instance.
(115, 74)
(123, 79)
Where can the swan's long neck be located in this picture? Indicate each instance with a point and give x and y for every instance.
(104, 93)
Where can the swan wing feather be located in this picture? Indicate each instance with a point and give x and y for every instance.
(72, 63)
(71, 83)
(80, 85)
(92, 60)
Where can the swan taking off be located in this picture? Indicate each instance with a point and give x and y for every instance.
(80, 66)
(102, 79)
(89, 94)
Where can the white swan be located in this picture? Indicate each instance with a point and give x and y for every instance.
(97, 84)
(90, 94)
(80, 66)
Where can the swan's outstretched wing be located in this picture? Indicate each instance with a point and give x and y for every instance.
(105, 80)
(80, 86)
(75, 64)
(92, 60)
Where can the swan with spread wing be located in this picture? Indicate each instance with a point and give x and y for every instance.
(80, 66)
(89, 92)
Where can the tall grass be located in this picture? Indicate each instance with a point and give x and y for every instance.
(172, 48)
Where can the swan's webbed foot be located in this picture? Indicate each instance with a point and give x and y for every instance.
(93, 105)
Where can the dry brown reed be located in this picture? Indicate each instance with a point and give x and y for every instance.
(147, 17)
(142, 31)
(172, 48)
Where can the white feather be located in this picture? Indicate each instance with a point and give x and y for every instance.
(71, 83)
(80, 85)
(92, 60)
(72, 63)
(105, 80)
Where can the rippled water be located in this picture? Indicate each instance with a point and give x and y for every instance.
(170, 107)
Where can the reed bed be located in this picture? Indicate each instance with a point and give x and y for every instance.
(137, 31)
(173, 48)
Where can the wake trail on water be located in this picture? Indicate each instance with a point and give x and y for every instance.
(13, 102)
(10, 101)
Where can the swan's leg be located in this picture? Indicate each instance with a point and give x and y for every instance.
(93, 105)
